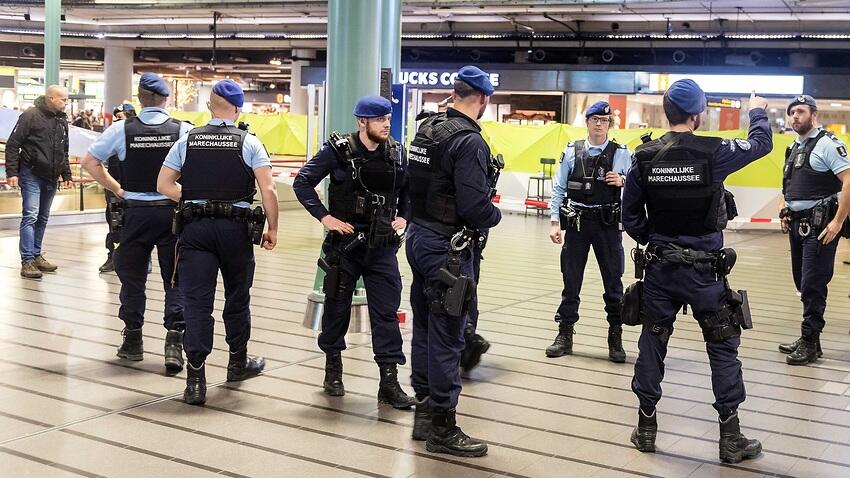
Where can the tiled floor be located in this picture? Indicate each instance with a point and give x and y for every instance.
(69, 407)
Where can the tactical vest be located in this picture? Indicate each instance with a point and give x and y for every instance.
(801, 182)
(146, 148)
(432, 190)
(586, 183)
(113, 166)
(370, 185)
(214, 168)
(676, 176)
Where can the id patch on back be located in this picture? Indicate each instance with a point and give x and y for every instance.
(680, 173)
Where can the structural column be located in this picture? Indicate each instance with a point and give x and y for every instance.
(117, 76)
(52, 38)
(391, 36)
(297, 93)
(354, 32)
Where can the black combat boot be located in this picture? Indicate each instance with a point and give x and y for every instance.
(447, 437)
(791, 347)
(616, 353)
(476, 346)
(422, 420)
(173, 352)
(132, 347)
(196, 385)
(806, 352)
(734, 446)
(241, 366)
(563, 344)
(333, 375)
(643, 436)
(389, 390)
(107, 266)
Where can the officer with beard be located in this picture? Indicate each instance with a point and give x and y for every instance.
(675, 202)
(816, 187)
(450, 206)
(368, 203)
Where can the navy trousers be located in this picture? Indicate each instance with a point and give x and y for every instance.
(145, 228)
(381, 277)
(208, 246)
(472, 320)
(667, 287)
(437, 338)
(607, 243)
(812, 266)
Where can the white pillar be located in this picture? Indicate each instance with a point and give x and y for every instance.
(297, 93)
(117, 76)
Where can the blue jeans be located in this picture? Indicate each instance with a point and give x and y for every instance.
(37, 194)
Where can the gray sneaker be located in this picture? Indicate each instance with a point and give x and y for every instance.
(30, 270)
(43, 265)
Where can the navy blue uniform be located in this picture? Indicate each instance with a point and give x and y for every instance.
(147, 224)
(437, 337)
(378, 266)
(209, 245)
(669, 286)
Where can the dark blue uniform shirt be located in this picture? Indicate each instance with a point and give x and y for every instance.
(731, 155)
(326, 162)
(467, 157)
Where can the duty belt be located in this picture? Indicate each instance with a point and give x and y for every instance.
(157, 203)
(719, 263)
(608, 213)
(811, 220)
(218, 210)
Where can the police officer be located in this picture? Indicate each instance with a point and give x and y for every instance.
(218, 165)
(114, 205)
(368, 203)
(675, 201)
(450, 201)
(140, 144)
(585, 212)
(816, 186)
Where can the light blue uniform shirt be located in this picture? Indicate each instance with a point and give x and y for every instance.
(253, 153)
(113, 143)
(825, 157)
(621, 164)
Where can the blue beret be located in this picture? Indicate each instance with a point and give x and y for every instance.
(476, 78)
(123, 107)
(598, 108)
(230, 91)
(802, 100)
(154, 83)
(372, 107)
(687, 95)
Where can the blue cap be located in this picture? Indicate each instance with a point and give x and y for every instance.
(123, 107)
(372, 107)
(476, 78)
(687, 95)
(598, 108)
(230, 91)
(802, 100)
(154, 83)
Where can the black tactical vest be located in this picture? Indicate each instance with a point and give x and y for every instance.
(370, 184)
(214, 168)
(432, 190)
(146, 148)
(801, 182)
(676, 172)
(586, 183)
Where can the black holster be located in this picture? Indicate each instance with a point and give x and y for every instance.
(456, 289)
(330, 263)
(115, 208)
(631, 305)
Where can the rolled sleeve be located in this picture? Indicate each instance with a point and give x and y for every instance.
(176, 155)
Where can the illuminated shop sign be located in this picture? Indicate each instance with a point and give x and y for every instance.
(737, 84)
(435, 78)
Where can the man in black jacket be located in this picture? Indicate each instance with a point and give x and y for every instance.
(36, 158)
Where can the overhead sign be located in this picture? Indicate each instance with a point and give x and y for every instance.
(787, 85)
(718, 102)
(433, 78)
